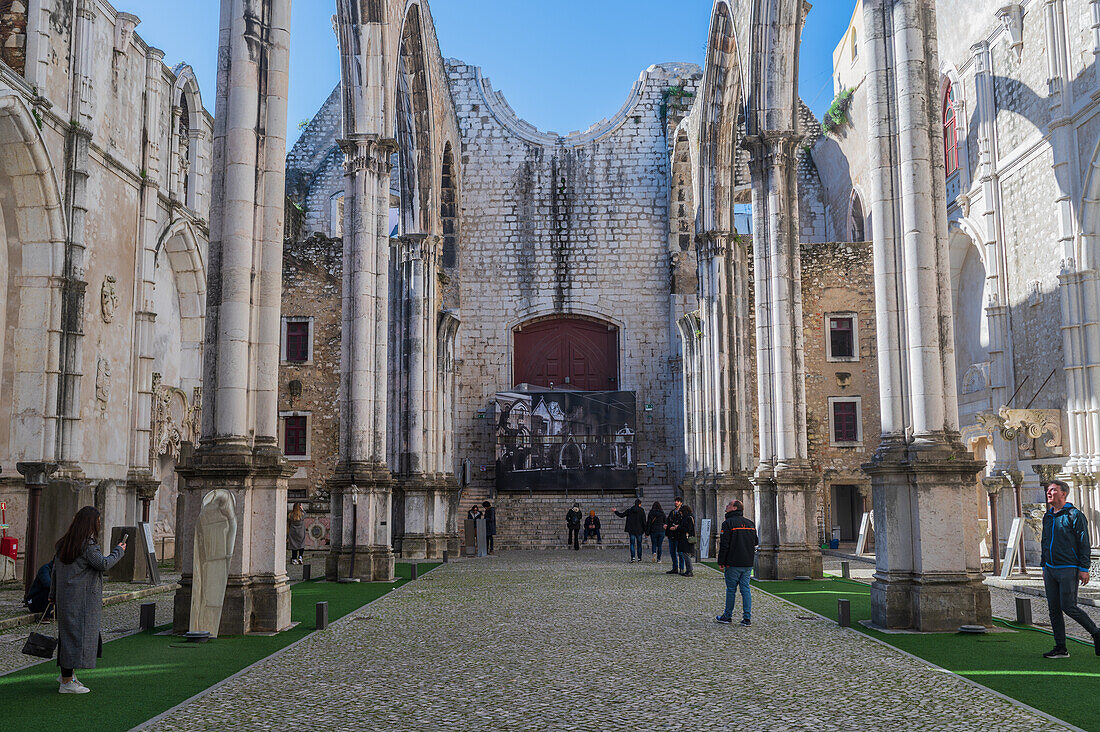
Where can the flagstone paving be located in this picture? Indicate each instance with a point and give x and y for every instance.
(566, 641)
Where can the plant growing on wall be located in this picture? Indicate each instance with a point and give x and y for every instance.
(673, 101)
(837, 113)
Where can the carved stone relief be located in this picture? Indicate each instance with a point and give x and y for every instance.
(108, 299)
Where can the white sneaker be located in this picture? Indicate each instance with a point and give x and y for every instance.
(73, 687)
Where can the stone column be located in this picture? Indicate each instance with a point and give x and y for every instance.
(786, 483)
(412, 482)
(140, 473)
(239, 447)
(36, 476)
(364, 370)
(928, 574)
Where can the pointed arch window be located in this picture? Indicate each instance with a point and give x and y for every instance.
(950, 130)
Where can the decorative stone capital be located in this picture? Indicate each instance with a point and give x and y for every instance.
(36, 474)
(367, 153)
(1034, 423)
(710, 244)
(1047, 472)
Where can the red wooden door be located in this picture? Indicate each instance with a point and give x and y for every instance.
(569, 353)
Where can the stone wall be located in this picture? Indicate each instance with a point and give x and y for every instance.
(566, 225)
(312, 271)
(100, 170)
(13, 34)
(839, 278)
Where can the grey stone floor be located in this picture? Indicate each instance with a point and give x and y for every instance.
(568, 641)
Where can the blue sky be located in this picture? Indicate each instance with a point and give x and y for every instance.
(562, 65)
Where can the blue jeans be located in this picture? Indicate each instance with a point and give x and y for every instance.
(636, 542)
(1061, 589)
(658, 544)
(672, 552)
(738, 578)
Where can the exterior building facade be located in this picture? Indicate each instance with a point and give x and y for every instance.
(105, 174)
(1020, 130)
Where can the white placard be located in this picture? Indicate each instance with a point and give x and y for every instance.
(1015, 538)
(704, 539)
(864, 529)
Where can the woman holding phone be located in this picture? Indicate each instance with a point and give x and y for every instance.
(77, 591)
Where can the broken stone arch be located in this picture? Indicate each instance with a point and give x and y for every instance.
(32, 258)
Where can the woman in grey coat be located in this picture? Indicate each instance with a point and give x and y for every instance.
(77, 591)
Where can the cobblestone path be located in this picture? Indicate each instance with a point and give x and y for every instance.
(561, 641)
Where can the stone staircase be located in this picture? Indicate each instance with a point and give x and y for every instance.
(663, 494)
(538, 521)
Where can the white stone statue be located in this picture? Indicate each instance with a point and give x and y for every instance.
(215, 538)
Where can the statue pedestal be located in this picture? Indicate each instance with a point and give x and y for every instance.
(257, 594)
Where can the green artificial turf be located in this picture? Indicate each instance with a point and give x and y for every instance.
(1008, 662)
(143, 675)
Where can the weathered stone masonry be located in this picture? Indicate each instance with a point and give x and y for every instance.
(574, 224)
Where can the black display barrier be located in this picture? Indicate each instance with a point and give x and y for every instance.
(557, 440)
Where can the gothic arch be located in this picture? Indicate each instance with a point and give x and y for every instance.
(859, 217)
(413, 129)
(969, 271)
(721, 108)
(178, 247)
(449, 205)
(33, 229)
(187, 104)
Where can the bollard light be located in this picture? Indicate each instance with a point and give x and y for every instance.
(148, 617)
(844, 613)
(1023, 611)
(322, 615)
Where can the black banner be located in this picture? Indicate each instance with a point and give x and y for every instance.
(558, 440)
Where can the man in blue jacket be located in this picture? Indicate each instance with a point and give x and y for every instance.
(1066, 557)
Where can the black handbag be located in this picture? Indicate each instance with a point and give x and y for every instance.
(39, 645)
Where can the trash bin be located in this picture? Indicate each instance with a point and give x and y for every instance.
(834, 544)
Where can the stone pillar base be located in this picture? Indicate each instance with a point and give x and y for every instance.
(928, 576)
(791, 562)
(361, 518)
(257, 594)
(767, 567)
(368, 564)
(930, 604)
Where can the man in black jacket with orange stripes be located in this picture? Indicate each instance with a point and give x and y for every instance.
(736, 556)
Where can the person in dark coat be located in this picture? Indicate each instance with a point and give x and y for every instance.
(1067, 555)
(573, 521)
(635, 528)
(672, 521)
(592, 528)
(474, 513)
(37, 598)
(655, 527)
(490, 514)
(77, 591)
(296, 533)
(736, 556)
(685, 532)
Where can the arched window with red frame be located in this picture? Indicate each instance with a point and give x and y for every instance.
(950, 130)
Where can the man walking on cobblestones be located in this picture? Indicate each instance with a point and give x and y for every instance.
(1066, 557)
(635, 528)
(736, 556)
